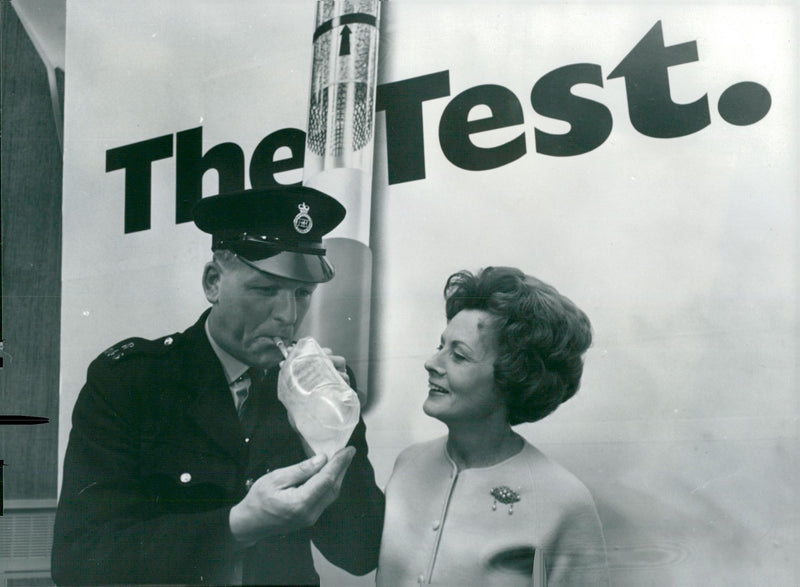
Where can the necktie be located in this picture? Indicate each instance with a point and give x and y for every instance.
(246, 409)
(241, 399)
(241, 387)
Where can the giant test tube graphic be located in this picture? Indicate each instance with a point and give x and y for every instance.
(338, 161)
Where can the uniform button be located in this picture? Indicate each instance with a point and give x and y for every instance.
(247, 439)
(186, 477)
(421, 579)
(436, 525)
(168, 341)
(248, 484)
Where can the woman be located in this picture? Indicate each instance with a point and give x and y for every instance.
(482, 506)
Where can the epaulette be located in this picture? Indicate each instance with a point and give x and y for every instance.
(140, 346)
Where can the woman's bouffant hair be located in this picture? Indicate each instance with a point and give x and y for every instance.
(541, 337)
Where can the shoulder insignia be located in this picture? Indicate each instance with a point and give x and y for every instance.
(140, 346)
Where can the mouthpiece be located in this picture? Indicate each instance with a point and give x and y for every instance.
(281, 346)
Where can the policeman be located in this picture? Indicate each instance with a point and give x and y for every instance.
(182, 466)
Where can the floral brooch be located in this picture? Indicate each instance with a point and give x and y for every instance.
(504, 495)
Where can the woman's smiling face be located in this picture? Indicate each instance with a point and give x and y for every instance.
(461, 372)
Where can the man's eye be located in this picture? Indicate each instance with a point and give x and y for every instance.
(303, 293)
(268, 291)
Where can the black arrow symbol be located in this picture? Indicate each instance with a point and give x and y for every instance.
(344, 45)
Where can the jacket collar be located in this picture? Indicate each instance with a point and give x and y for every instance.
(232, 366)
(212, 408)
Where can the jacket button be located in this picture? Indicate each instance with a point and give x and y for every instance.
(436, 525)
(248, 484)
(168, 341)
(186, 477)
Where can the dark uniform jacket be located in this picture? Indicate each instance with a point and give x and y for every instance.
(156, 459)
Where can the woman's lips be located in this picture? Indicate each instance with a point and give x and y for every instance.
(433, 388)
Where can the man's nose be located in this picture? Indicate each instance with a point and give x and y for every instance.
(285, 308)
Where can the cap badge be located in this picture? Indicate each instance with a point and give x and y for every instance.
(302, 222)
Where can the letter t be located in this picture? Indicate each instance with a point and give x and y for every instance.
(650, 107)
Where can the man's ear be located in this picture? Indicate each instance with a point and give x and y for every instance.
(212, 273)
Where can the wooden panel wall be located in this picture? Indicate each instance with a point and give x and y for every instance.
(31, 171)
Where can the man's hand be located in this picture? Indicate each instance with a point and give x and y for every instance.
(339, 363)
(291, 498)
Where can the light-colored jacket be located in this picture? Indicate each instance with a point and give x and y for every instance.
(446, 527)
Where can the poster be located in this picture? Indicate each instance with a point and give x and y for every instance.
(640, 157)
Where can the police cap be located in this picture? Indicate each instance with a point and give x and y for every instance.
(277, 230)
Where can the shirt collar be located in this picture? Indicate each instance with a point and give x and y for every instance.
(232, 366)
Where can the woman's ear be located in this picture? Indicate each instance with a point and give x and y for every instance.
(212, 275)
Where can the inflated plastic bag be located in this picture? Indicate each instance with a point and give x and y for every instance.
(321, 406)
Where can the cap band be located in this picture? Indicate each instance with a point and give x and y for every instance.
(255, 244)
